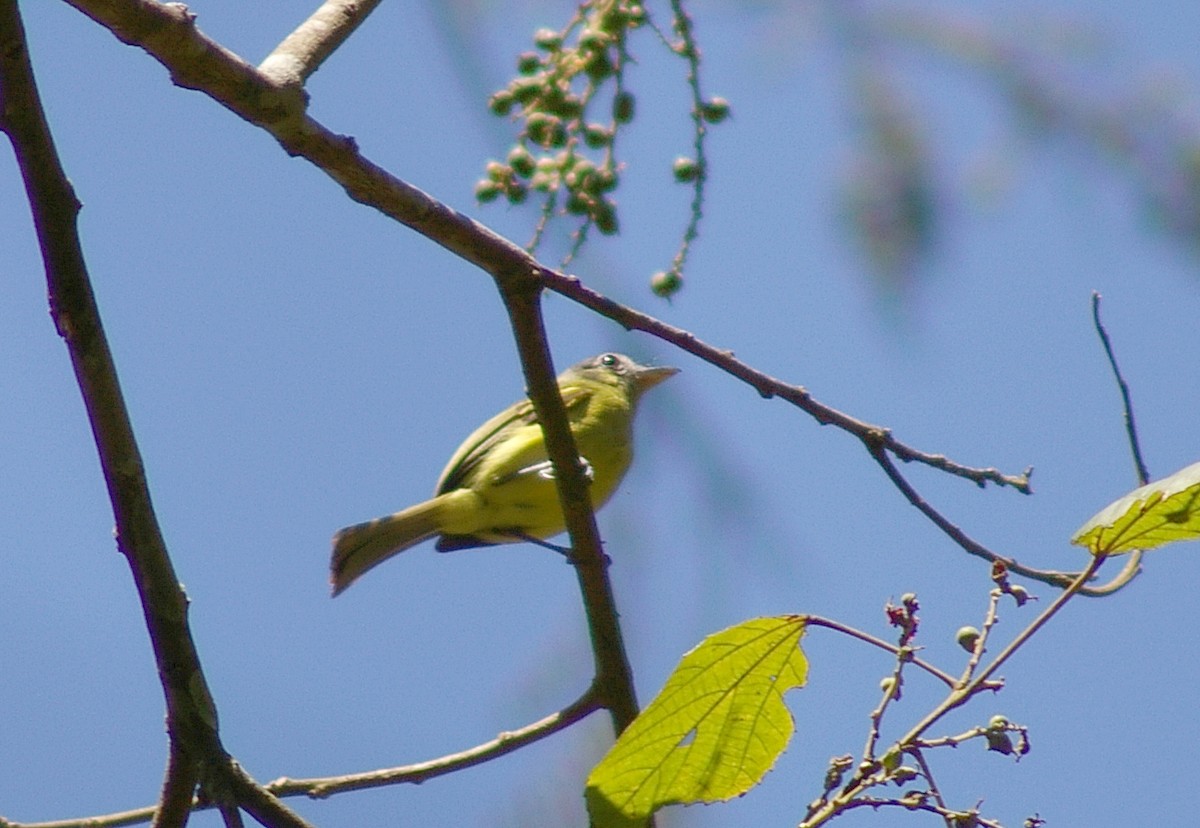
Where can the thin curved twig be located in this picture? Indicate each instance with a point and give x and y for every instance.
(828, 623)
(321, 787)
(965, 541)
(972, 546)
(1126, 401)
(1133, 565)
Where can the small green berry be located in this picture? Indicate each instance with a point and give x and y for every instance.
(486, 191)
(521, 160)
(582, 174)
(666, 283)
(614, 21)
(543, 182)
(594, 40)
(599, 65)
(606, 180)
(604, 213)
(715, 110)
(498, 172)
(597, 136)
(501, 103)
(578, 204)
(528, 62)
(568, 106)
(967, 638)
(525, 90)
(686, 170)
(547, 39)
(544, 129)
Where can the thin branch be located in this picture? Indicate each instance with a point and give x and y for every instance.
(137, 816)
(254, 798)
(956, 739)
(614, 676)
(1133, 565)
(919, 757)
(989, 623)
(260, 802)
(828, 623)
(303, 51)
(891, 693)
(967, 543)
(768, 386)
(951, 817)
(1132, 568)
(231, 816)
(319, 788)
(179, 787)
(1126, 401)
(690, 51)
(168, 32)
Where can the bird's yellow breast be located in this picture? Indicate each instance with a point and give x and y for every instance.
(514, 488)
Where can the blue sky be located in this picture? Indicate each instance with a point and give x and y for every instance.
(294, 362)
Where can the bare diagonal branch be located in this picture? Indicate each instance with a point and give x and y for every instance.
(191, 717)
(319, 788)
(196, 62)
(196, 754)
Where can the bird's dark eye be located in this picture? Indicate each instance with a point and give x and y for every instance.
(610, 361)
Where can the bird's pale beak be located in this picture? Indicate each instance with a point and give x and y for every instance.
(648, 376)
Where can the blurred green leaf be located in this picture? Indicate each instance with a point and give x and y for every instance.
(714, 730)
(1160, 512)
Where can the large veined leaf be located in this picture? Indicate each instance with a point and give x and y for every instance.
(714, 730)
(1160, 512)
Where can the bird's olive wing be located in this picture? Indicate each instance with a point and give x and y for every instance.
(460, 471)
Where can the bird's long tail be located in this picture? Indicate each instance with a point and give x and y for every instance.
(364, 546)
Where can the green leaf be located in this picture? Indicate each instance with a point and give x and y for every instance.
(1160, 512)
(714, 730)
